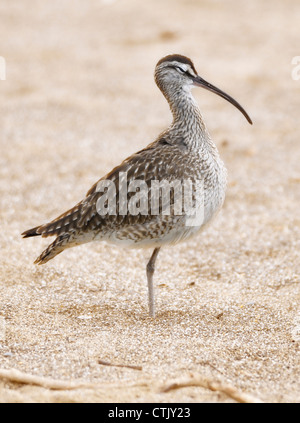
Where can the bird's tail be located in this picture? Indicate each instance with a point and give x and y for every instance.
(31, 232)
(63, 227)
(65, 223)
(57, 246)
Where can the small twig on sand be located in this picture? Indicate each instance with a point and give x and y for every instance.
(13, 375)
(213, 385)
(128, 366)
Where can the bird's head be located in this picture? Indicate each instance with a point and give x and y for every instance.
(176, 74)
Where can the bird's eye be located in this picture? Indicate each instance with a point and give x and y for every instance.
(179, 69)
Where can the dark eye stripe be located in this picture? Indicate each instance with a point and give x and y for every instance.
(180, 69)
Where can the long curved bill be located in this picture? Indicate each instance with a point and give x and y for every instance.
(200, 82)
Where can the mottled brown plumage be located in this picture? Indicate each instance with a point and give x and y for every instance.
(183, 152)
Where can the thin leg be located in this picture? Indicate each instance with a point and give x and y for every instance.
(150, 272)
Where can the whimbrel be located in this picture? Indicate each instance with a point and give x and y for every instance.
(183, 152)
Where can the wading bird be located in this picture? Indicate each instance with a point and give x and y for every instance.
(183, 152)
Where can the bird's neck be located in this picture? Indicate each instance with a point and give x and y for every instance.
(187, 118)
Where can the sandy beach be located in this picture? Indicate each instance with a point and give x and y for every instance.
(79, 97)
